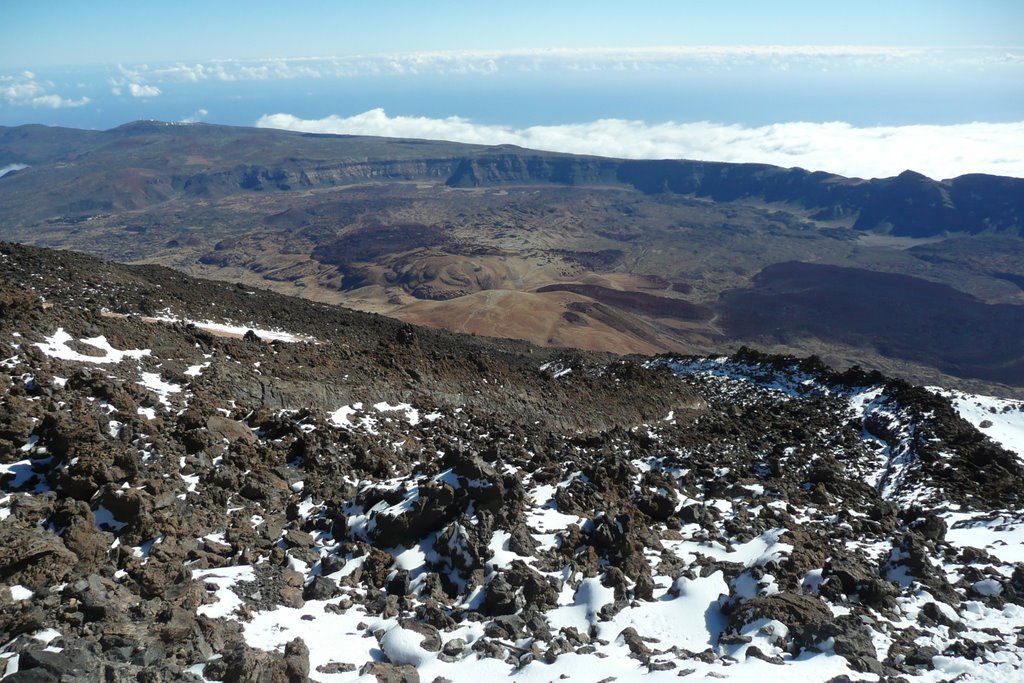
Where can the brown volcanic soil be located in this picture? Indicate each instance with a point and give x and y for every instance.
(551, 319)
(638, 302)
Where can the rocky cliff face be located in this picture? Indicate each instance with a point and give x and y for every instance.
(200, 481)
(519, 166)
(298, 175)
(909, 205)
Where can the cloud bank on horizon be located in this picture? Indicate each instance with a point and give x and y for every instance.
(939, 152)
(779, 58)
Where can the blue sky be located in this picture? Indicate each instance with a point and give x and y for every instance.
(860, 88)
(66, 32)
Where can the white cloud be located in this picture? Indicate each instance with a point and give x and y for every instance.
(22, 90)
(134, 79)
(142, 90)
(180, 72)
(197, 115)
(837, 147)
(53, 101)
(25, 90)
(575, 60)
(10, 168)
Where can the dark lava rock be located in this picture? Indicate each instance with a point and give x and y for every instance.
(431, 641)
(850, 638)
(32, 676)
(635, 643)
(33, 557)
(920, 656)
(56, 663)
(390, 673)
(400, 583)
(297, 539)
(320, 588)
(296, 661)
(502, 597)
(796, 610)
(847, 575)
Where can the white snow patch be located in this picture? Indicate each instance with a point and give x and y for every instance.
(156, 384)
(56, 346)
(1001, 419)
(228, 330)
(987, 587)
(19, 592)
(586, 605)
(196, 370)
(412, 416)
(223, 579)
(999, 535)
(410, 559)
(20, 473)
(47, 635)
(340, 417)
(402, 646)
(758, 551)
(501, 556)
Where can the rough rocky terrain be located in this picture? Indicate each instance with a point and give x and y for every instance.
(201, 481)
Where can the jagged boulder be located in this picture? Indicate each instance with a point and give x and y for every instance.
(33, 557)
(432, 507)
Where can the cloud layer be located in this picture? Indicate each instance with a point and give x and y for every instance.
(679, 59)
(142, 90)
(197, 116)
(936, 151)
(25, 90)
(134, 81)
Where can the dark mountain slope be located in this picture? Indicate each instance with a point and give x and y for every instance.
(903, 317)
(204, 160)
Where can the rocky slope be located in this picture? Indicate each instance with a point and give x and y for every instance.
(199, 481)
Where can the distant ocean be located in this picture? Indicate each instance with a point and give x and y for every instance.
(864, 112)
(518, 100)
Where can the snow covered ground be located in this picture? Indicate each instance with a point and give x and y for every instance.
(56, 346)
(233, 330)
(721, 534)
(1001, 419)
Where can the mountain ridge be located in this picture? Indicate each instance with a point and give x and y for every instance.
(910, 204)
